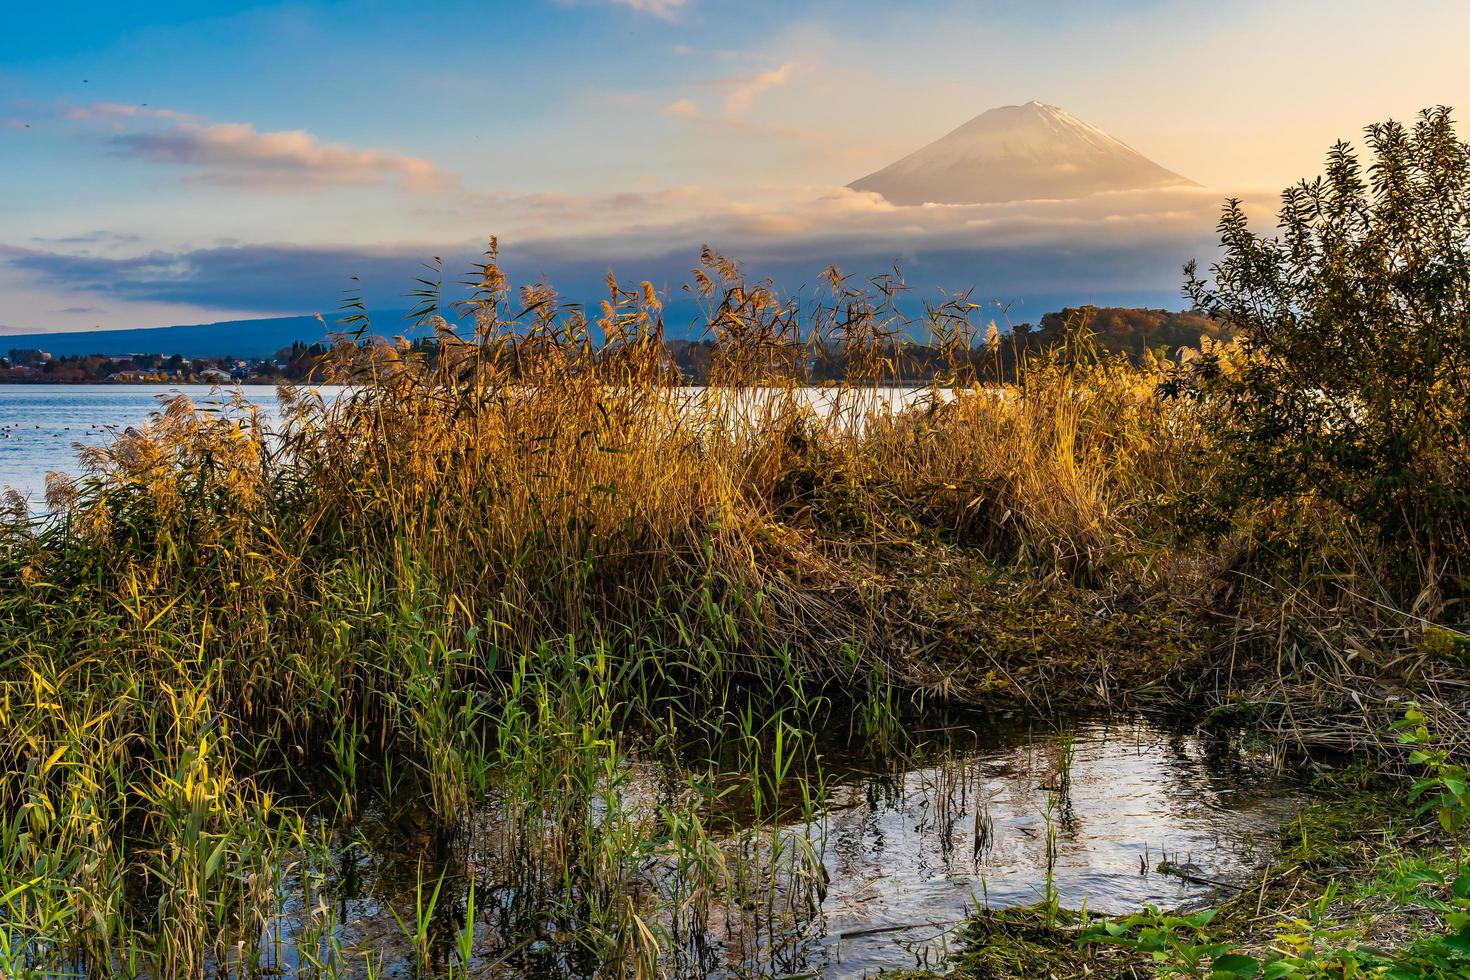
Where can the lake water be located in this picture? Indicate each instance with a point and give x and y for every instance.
(41, 425)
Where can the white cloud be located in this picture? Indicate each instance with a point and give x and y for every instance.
(737, 103)
(800, 219)
(811, 220)
(666, 9)
(239, 154)
(118, 114)
(735, 107)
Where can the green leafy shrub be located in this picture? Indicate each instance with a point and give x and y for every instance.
(1353, 383)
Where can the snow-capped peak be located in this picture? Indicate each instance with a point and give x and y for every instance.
(1014, 153)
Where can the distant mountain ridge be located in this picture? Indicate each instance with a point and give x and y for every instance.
(1018, 153)
(260, 338)
(228, 338)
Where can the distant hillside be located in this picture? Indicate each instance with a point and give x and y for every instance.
(1132, 331)
(232, 338)
(1120, 330)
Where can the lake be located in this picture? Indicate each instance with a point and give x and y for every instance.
(41, 425)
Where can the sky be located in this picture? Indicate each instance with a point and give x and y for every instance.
(180, 162)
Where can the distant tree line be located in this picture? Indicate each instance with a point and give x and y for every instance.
(1135, 333)
(297, 362)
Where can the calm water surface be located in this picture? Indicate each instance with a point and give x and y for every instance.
(1146, 815)
(41, 425)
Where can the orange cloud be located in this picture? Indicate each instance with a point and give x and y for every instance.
(683, 109)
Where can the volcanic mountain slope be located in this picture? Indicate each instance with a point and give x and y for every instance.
(1018, 153)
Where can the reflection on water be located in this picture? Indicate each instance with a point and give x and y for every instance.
(912, 851)
(899, 853)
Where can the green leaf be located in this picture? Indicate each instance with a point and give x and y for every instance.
(212, 865)
(1202, 918)
(1236, 965)
(1420, 876)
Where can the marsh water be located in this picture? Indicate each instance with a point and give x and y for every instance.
(1102, 815)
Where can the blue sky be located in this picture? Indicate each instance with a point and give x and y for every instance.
(177, 162)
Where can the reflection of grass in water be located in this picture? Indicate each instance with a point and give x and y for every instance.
(645, 876)
(1049, 887)
(1066, 755)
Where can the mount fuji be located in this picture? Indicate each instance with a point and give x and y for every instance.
(1018, 153)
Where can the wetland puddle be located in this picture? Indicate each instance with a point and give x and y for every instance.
(871, 870)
